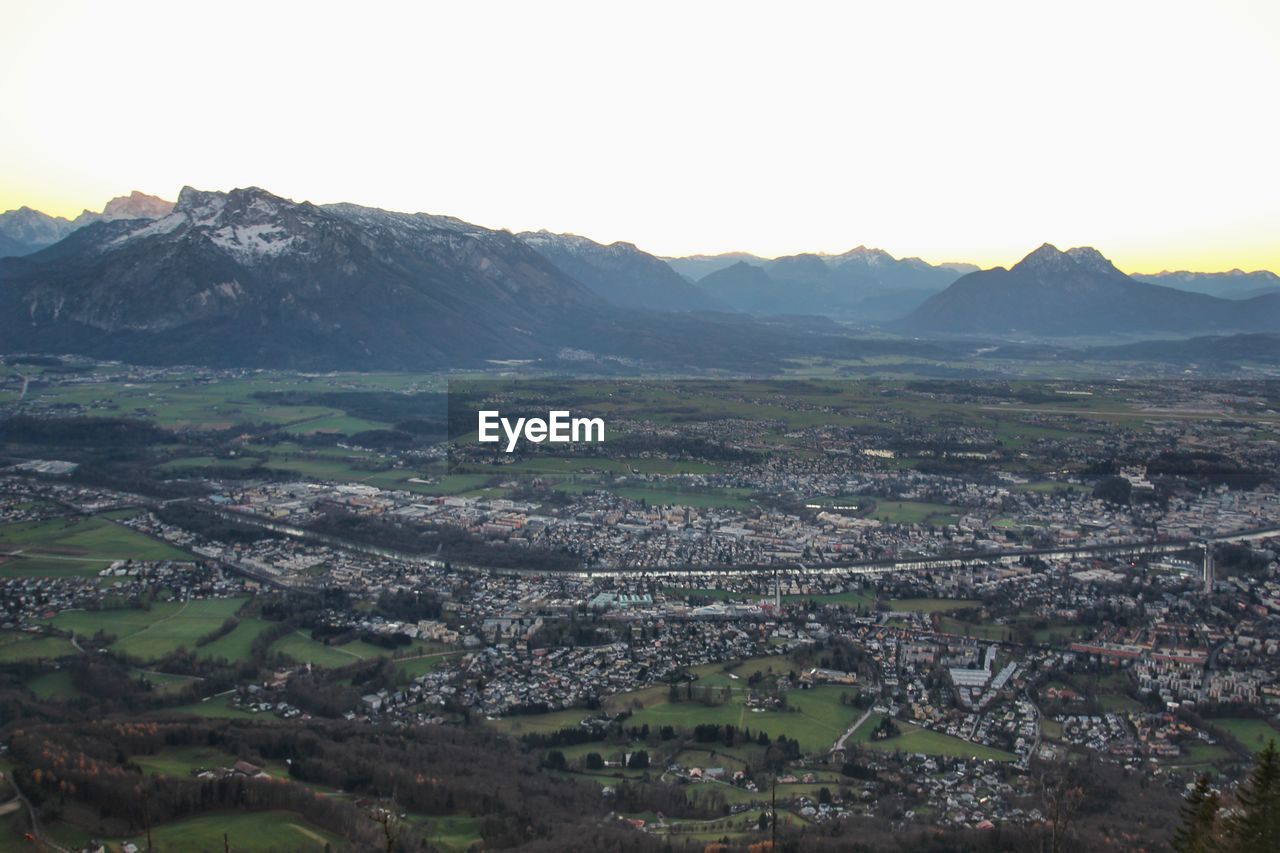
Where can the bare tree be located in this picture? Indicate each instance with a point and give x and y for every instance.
(1061, 798)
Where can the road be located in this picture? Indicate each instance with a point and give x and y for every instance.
(853, 728)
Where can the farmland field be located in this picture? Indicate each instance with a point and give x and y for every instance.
(1252, 734)
(24, 647)
(82, 546)
(152, 633)
(269, 830)
(236, 645)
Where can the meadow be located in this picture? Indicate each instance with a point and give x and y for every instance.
(155, 632)
(267, 830)
(16, 647)
(915, 739)
(1252, 734)
(76, 545)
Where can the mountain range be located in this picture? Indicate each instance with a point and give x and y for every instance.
(1236, 284)
(247, 278)
(620, 273)
(865, 285)
(24, 230)
(1079, 292)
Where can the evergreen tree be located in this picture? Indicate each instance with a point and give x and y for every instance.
(1256, 823)
(1198, 833)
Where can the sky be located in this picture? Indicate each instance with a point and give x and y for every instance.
(953, 131)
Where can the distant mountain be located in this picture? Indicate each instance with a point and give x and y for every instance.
(620, 273)
(862, 284)
(1236, 284)
(24, 230)
(697, 267)
(1079, 292)
(745, 286)
(248, 278)
(136, 205)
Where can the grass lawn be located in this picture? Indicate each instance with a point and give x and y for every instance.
(852, 599)
(815, 718)
(76, 546)
(54, 685)
(154, 633)
(51, 566)
(1253, 734)
(164, 683)
(24, 647)
(236, 645)
(448, 833)
(181, 761)
(988, 631)
(915, 739)
(269, 830)
(1194, 754)
(915, 512)
(300, 647)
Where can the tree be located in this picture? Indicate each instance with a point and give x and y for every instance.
(1256, 823)
(763, 822)
(824, 796)
(555, 760)
(639, 759)
(1061, 801)
(1198, 833)
(594, 761)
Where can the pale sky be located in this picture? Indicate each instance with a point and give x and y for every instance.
(953, 130)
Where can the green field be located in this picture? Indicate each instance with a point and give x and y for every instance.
(16, 647)
(915, 739)
(301, 648)
(76, 546)
(272, 830)
(156, 632)
(55, 685)
(236, 645)
(1252, 734)
(448, 833)
(915, 512)
(23, 566)
(815, 718)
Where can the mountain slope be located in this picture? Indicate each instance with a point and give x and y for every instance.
(24, 230)
(248, 278)
(1235, 284)
(746, 287)
(862, 284)
(697, 267)
(136, 205)
(1077, 292)
(620, 273)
